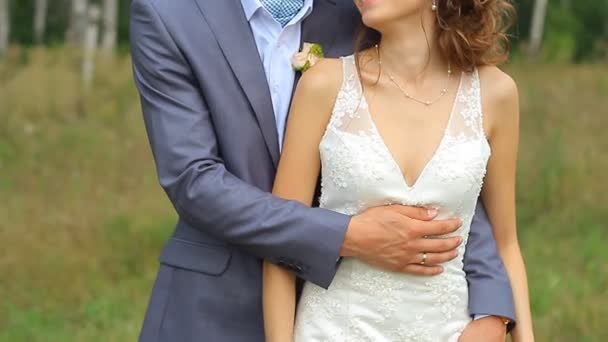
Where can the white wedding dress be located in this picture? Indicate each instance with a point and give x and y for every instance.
(365, 303)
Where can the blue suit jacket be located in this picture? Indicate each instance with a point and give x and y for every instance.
(210, 122)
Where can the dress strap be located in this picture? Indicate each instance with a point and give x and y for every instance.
(475, 93)
(351, 82)
(349, 98)
(467, 119)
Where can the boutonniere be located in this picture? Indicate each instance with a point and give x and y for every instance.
(310, 54)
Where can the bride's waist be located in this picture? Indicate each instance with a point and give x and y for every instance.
(444, 210)
(355, 273)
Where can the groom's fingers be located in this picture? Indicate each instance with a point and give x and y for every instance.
(422, 270)
(416, 213)
(437, 228)
(433, 259)
(436, 245)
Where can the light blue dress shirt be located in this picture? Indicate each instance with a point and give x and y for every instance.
(276, 45)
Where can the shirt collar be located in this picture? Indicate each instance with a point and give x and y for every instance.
(252, 6)
(308, 6)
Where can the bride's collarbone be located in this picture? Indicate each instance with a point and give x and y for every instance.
(409, 126)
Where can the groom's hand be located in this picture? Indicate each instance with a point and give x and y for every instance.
(397, 238)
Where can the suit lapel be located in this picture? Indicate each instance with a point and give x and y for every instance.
(227, 20)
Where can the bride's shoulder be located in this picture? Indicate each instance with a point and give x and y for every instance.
(496, 85)
(320, 84)
(323, 77)
(499, 96)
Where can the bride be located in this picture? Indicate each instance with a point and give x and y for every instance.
(421, 116)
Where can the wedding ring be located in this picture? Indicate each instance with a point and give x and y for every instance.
(423, 258)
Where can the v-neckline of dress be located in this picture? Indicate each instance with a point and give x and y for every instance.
(390, 156)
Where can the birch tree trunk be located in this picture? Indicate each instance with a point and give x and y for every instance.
(110, 22)
(78, 22)
(90, 47)
(4, 26)
(40, 20)
(537, 27)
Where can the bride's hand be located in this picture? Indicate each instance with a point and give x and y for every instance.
(487, 329)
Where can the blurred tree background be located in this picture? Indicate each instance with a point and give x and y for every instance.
(83, 219)
(574, 30)
(22, 14)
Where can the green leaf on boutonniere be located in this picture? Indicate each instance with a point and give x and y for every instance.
(306, 58)
(317, 50)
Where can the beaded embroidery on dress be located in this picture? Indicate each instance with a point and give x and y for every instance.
(365, 303)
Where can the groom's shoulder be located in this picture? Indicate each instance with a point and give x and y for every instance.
(163, 8)
(155, 4)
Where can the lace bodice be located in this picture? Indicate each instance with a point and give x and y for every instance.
(358, 171)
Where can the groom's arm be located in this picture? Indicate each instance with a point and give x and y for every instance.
(192, 173)
(489, 287)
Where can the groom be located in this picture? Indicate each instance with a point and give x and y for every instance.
(216, 82)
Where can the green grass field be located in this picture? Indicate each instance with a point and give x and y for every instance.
(82, 218)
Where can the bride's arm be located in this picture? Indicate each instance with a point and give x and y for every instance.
(296, 179)
(501, 108)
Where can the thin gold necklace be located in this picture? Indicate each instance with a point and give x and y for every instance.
(406, 94)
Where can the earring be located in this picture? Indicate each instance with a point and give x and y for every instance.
(434, 6)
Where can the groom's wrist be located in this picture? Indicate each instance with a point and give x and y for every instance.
(351, 238)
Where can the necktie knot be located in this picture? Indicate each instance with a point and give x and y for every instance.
(283, 10)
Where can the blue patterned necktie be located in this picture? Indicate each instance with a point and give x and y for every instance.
(283, 10)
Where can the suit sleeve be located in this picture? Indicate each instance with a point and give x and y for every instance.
(490, 291)
(193, 175)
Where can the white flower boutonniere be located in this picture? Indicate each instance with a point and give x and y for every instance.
(310, 54)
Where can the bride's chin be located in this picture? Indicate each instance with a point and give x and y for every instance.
(378, 14)
(373, 19)
(374, 22)
(377, 17)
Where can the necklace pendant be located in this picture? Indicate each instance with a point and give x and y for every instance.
(427, 103)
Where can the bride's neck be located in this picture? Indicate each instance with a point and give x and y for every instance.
(409, 48)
